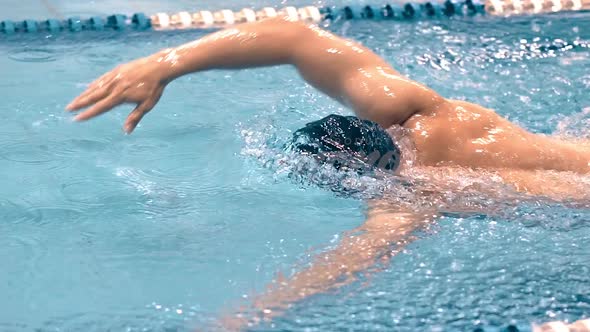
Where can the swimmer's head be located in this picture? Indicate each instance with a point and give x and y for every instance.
(349, 143)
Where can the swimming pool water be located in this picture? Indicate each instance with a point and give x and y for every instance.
(165, 229)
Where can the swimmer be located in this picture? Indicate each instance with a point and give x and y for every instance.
(446, 133)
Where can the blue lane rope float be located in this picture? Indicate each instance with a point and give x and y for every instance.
(74, 24)
(96, 23)
(52, 25)
(207, 19)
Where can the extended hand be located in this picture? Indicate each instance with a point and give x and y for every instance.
(139, 82)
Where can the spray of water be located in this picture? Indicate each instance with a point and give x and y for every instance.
(575, 126)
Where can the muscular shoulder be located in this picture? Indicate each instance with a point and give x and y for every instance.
(380, 94)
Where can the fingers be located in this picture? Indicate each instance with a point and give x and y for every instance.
(100, 107)
(95, 91)
(137, 114)
(142, 109)
(88, 98)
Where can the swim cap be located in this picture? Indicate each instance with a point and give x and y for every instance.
(348, 142)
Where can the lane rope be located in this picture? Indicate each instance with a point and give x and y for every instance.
(205, 19)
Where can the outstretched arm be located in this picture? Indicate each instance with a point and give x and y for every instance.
(384, 233)
(342, 69)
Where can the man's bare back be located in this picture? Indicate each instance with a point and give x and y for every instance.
(459, 133)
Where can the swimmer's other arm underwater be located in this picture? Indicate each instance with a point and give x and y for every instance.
(446, 133)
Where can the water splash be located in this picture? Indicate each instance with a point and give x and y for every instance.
(575, 126)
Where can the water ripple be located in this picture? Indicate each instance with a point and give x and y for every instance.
(29, 54)
(93, 191)
(102, 56)
(490, 52)
(25, 152)
(54, 154)
(167, 196)
(162, 318)
(15, 213)
(14, 327)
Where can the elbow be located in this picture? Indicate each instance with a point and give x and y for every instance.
(288, 37)
(294, 32)
(287, 23)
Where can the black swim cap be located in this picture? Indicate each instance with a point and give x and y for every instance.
(348, 142)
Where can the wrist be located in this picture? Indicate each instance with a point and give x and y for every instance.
(166, 65)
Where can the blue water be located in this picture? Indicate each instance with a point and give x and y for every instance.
(166, 229)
